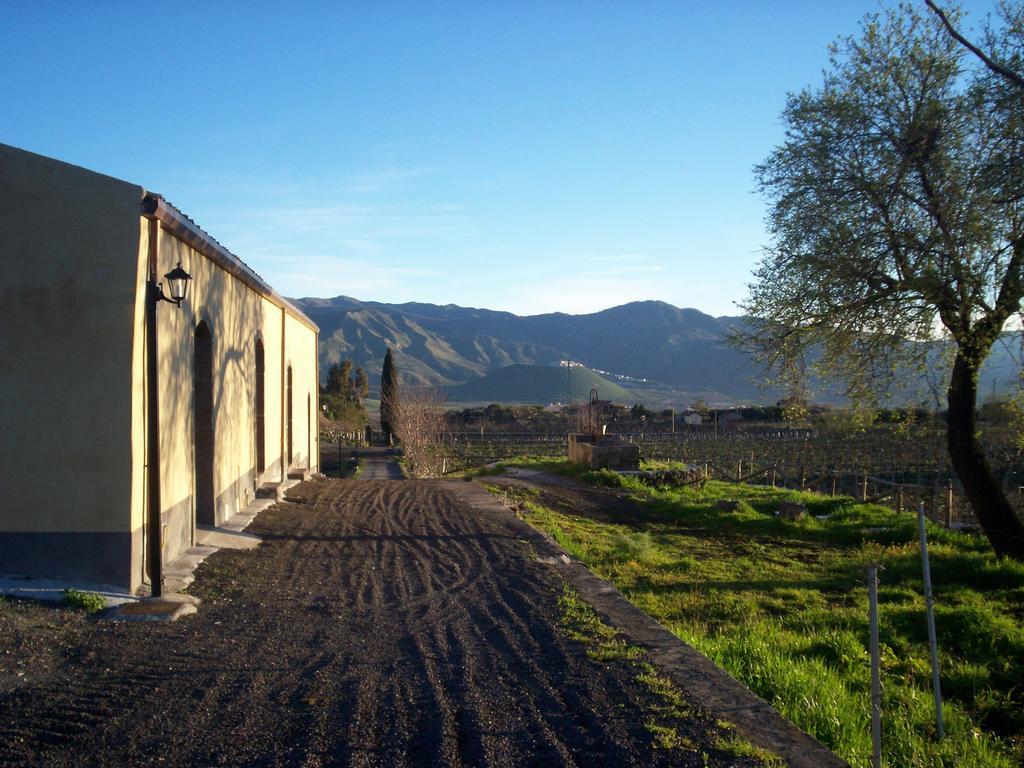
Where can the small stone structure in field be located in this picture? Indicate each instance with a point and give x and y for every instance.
(603, 452)
(591, 446)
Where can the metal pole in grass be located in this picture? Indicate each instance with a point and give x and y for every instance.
(930, 604)
(876, 685)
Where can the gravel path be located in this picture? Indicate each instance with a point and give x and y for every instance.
(379, 464)
(380, 623)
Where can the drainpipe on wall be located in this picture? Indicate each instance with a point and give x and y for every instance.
(154, 537)
(284, 405)
(315, 426)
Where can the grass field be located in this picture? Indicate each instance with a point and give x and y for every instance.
(783, 607)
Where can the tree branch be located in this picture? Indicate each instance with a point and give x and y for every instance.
(995, 66)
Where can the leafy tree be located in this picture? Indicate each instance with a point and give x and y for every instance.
(342, 383)
(897, 214)
(389, 401)
(361, 385)
(339, 380)
(341, 398)
(333, 385)
(1014, 17)
(345, 378)
(640, 411)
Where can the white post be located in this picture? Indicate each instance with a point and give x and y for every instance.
(876, 685)
(930, 605)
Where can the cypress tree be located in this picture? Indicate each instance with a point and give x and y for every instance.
(388, 394)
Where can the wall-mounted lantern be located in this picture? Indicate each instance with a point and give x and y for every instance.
(177, 284)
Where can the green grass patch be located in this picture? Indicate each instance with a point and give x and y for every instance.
(87, 601)
(548, 464)
(666, 710)
(783, 607)
(581, 623)
(481, 471)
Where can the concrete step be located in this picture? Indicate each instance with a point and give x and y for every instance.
(276, 491)
(180, 572)
(225, 538)
(267, 491)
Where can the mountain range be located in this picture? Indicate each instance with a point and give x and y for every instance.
(660, 354)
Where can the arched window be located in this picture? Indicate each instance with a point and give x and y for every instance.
(288, 413)
(261, 399)
(202, 410)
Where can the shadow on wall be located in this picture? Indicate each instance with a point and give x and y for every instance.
(207, 422)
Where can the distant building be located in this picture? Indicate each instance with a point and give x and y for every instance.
(237, 376)
(693, 418)
(730, 420)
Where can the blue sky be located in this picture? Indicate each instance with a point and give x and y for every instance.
(523, 156)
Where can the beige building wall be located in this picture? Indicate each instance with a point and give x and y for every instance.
(236, 316)
(68, 244)
(75, 251)
(300, 344)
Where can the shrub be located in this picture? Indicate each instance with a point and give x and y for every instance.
(87, 601)
(634, 546)
(603, 477)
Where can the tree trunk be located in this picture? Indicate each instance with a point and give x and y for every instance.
(997, 518)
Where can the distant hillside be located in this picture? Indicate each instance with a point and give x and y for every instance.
(536, 384)
(683, 349)
(665, 355)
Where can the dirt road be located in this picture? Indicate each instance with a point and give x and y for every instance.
(380, 623)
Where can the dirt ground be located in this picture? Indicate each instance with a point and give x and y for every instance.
(380, 623)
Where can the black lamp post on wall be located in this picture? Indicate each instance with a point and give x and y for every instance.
(177, 286)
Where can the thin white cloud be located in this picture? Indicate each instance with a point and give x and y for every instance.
(382, 180)
(325, 276)
(368, 235)
(622, 258)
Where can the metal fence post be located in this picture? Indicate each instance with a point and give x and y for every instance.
(876, 685)
(930, 606)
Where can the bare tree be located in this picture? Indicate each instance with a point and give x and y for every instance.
(418, 420)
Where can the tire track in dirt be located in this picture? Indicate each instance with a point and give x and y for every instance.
(380, 623)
